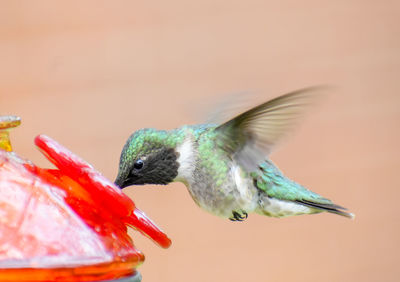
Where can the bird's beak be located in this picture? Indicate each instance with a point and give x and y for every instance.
(120, 182)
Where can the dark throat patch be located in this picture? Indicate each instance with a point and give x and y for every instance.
(160, 167)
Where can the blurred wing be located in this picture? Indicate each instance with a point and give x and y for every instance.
(251, 136)
(229, 106)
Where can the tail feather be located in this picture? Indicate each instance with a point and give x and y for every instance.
(332, 208)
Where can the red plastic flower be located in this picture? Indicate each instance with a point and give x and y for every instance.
(71, 220)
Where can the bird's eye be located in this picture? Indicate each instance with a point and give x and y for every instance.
(138, 164)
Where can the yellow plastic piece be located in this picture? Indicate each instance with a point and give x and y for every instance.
(7, 122)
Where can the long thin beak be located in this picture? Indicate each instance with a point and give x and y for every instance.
(120, 182)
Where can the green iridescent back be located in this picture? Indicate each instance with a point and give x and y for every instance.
(271, 180)
(212, 157)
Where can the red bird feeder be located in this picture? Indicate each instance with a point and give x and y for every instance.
(65, 224)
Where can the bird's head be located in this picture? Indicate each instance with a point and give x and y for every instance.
(148, 157)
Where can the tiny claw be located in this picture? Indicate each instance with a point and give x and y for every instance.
(238, 217)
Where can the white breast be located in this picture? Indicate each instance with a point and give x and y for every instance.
(186, 160)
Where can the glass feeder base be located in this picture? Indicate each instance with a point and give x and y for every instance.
(136, 277)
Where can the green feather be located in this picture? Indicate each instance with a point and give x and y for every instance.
(271, 180)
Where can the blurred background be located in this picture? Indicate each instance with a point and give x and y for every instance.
(89, 73)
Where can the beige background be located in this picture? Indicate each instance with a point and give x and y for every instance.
(90, 73)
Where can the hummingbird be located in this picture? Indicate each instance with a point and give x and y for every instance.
(225, 166)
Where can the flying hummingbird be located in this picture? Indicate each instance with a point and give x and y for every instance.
(226, 166)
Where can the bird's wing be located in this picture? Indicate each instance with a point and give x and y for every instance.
(250, 136)
(270, 180)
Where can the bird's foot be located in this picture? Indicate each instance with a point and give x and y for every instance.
(238, 216)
